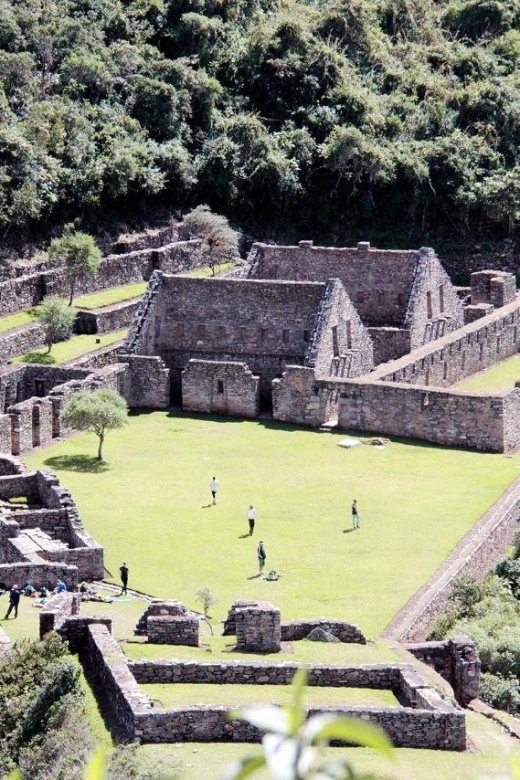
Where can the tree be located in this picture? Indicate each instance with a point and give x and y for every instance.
(57, 317)
(219, 240)
(292, 743)
(79, 253)
(206, 598)
(99, 411)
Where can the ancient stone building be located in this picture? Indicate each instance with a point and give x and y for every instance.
(404, 298)
(240, 335)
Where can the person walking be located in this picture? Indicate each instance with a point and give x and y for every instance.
(260, 551)
(251, 517)
(14, 600)
(356, 520)
(124, 577)
(214, 487)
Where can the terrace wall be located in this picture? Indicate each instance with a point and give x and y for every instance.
(107, 319)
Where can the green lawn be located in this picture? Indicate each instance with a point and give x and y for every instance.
(150, 505)
(73, 348)
(499, 377)
(207, 271)
(16, 320)
(168, 696)
(110, 296)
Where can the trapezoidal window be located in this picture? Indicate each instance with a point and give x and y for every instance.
(335, 341)
(220, 386)
(429, 310)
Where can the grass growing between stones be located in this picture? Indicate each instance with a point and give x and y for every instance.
(500, 377)
(151, 507)
(110, 296)
(185, 695)
(73, 348)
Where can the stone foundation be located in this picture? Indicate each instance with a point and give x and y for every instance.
(173, 630)
(258, 628)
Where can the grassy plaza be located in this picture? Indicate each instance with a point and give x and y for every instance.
(149, 504)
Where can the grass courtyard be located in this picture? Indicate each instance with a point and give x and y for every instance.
(500, 377)
(150, 505)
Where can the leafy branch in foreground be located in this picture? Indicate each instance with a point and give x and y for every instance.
(293, 744)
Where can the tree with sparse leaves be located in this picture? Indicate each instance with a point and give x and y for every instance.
(219, 240)
(57, 317)
(99, 411)
(79, 254)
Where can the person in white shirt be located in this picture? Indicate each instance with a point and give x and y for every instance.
(214, 487)
(251, 516)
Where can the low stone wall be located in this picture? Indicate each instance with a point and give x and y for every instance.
(100, 358)
(380, 676)
(173, 630)
(442, 730)
(160, 608)
(57, 610)
(300, 629)
(21, 340)
(106, 668)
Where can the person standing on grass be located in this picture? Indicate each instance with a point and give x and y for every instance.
(260, 551)
(213, 485)
(251, 516)
(124, 577)
(14, 600)
(356, 520)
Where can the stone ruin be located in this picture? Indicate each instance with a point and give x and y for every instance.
(169, 623)
(42, 538)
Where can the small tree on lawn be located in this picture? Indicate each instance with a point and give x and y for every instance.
(99, 411)
(57, 317)
(219, 240)
(79, 253)
(206, 598)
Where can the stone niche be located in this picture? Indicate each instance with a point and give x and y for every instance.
(258, 628)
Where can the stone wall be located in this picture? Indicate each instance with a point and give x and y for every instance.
(146, 384)
(475, 347)
(457, 661)
(492, 287)
(32, 424)
(258, 628)
(220, 388)
(299, 629)
(21, 340)
(389, 343)
(107, 319)
(173, 630)
(39, 574)
(57, 610)
(159, 608)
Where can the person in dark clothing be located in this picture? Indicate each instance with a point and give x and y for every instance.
(261, 554)
(14, 600)
(356, 520)
(124, 577)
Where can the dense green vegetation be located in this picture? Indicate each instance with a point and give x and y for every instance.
(351, 117)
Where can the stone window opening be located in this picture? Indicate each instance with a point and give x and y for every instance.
(463, 361)
(335, 341)
(285, 336)
(498, 344)
(220, 386)
(348, 327)
(201, 331)
(481, 354)
(441, 298)
(39, 388)
(222, 333)
(445, 372)
(425, 400)
(263, 335)
(306, 336)
(429, 309)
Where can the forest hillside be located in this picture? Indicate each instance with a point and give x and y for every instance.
(330, 119)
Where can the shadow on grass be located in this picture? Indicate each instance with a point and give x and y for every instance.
(44, 358)
(244, 536)
(348, 530)
(79, 463)
(254, 577)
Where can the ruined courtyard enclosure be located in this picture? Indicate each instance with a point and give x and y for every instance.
(500, 377)
(156, 487)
